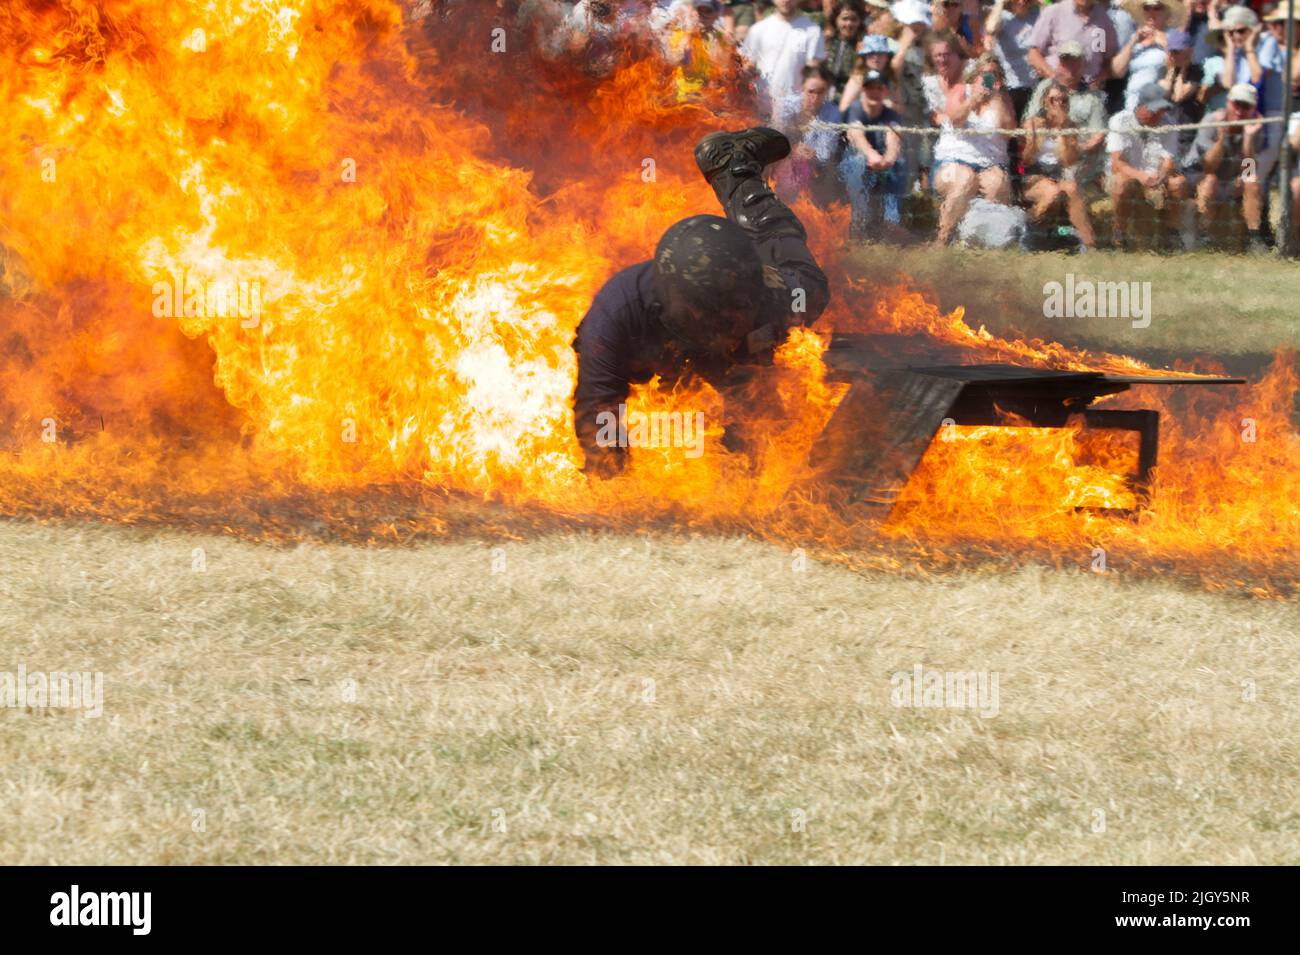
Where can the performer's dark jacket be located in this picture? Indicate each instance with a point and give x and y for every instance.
(620, 340)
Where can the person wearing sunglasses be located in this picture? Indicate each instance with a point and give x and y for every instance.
(1249, 55)
(1087, 110)
(1051, 161)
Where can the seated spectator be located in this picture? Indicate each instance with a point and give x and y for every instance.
(1009, 26)
(874, 54)
(1293, 133)
(815, 151)
(847, 22)
(1051, 161)
(1082, 21)
(780, 46)
(1220, 166)
(967, 164)
(1087, 110)
(1143, 165)
(1144, 58)
(872, 168)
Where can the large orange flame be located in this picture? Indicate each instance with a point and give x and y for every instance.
(257, 255)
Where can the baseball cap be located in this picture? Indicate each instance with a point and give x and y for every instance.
(1070, 48)
(874, 43)
(911, 11)
(875, 76)
(1152, 96)
(1243, 93)
(1176, 40)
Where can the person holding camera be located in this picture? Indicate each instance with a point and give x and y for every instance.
(969, 105)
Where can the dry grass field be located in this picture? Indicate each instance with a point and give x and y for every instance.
(612, 699)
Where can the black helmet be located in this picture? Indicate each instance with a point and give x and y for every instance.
(710, 278)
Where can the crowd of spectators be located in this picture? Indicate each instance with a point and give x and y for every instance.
(929, 87)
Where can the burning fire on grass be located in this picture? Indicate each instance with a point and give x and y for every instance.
(254, 251)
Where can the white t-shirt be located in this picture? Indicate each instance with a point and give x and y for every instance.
(1137, 147)
(780, 49)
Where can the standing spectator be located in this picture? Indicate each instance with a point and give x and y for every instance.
(874, 53)
(1276, 22)
(1144, 57)
(1220, 160)
(1143, 165)
(1051, 162)
(780, 46)
(817, 11)
(872, 168)
(1008, 28)
(909, 67)
(740, 16)
(878, 18)
(1182, 85)
(1125, 27)
(1198, 28)
(1277, 26)
(962, 18)
(691, 34)
(814, 151)
(1083, 21)
(1087, 111)
(1124, 21)
(848, 24)
(1249, 56)
(974, 98)
(1007, 33)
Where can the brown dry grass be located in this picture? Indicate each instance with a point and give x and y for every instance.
(526, 696)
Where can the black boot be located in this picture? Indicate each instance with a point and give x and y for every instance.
(732, 164)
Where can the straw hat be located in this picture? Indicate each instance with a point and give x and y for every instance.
(1176, 9)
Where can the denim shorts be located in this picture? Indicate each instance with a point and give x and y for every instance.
(934, 170)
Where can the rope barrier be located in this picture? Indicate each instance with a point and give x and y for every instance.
(1064, 131)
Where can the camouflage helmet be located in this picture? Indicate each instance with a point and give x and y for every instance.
(710, 276)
